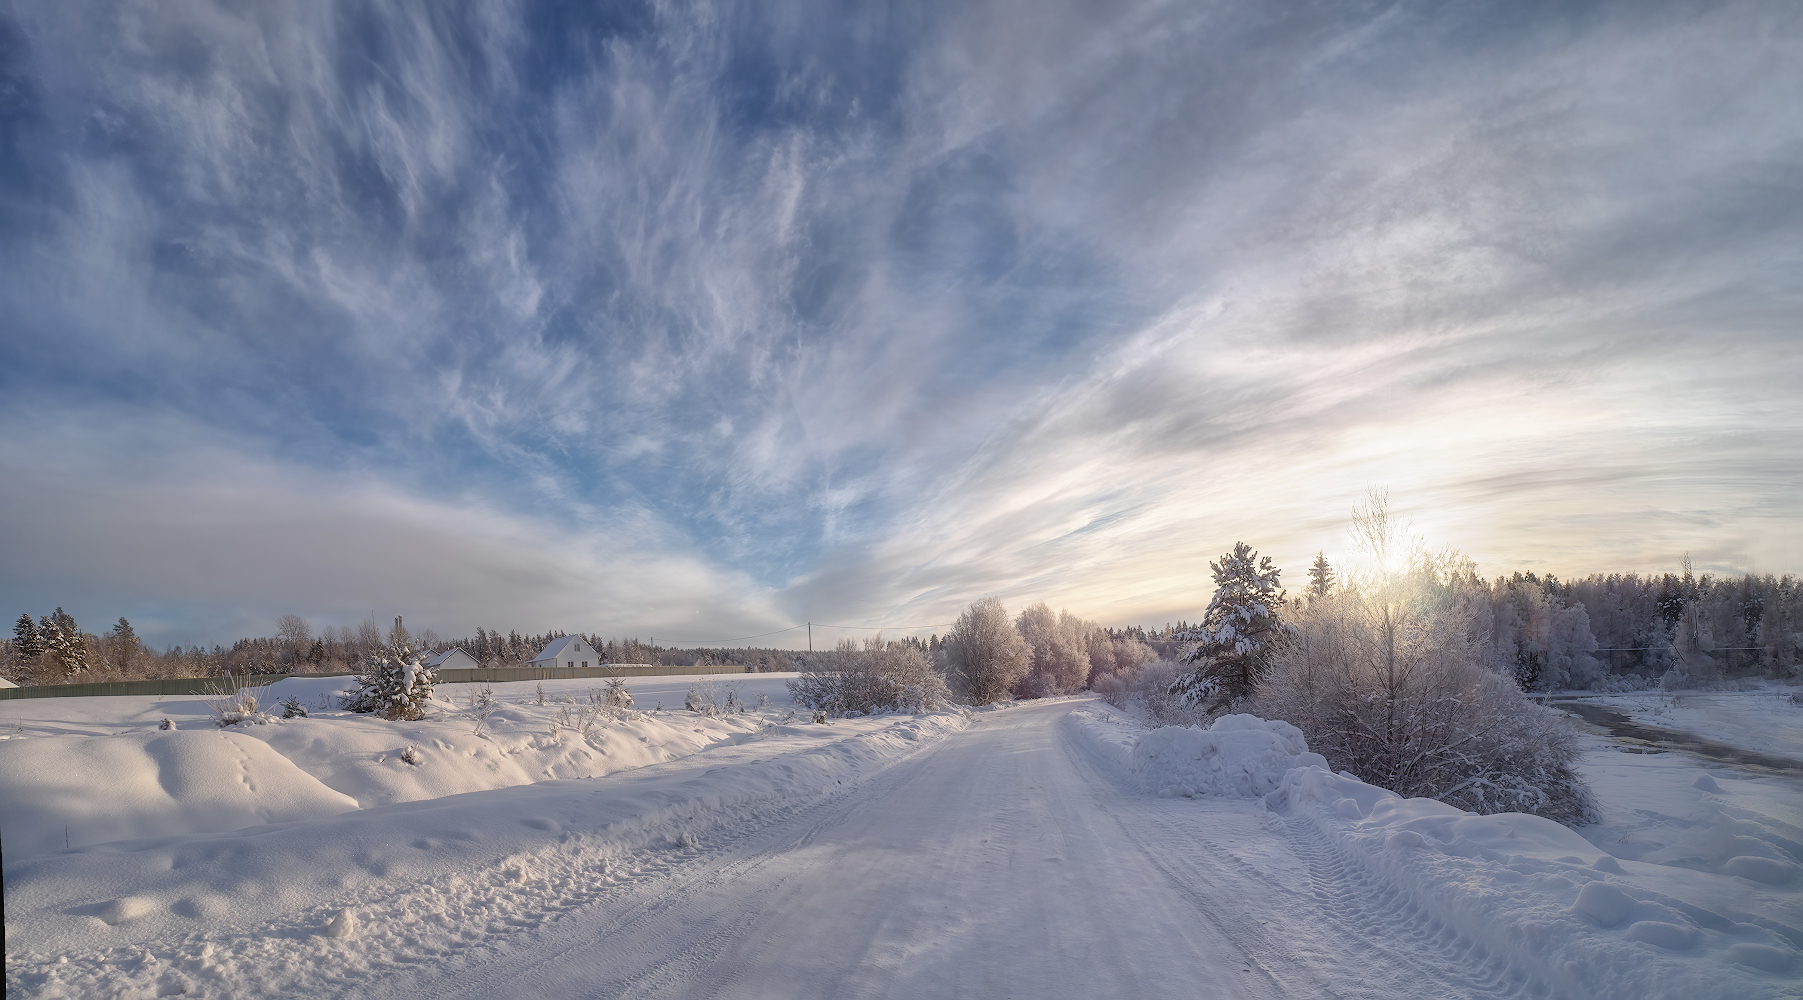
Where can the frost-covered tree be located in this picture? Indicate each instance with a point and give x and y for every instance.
(27, 638)
(1239, 632)
(1060, 649)
(1320, 576)
(1391, 684)
(395, 684)
(985, 653)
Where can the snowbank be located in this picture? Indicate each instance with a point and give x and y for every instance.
(62, 790)
(263, 910)
(1240, 755)
(1539, 893)
(1689, 888)
(96, 770)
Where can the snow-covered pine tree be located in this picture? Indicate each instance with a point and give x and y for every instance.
(1239, 632)
(1320, 577)
(63, 639)
(395, 684)
(26, 636)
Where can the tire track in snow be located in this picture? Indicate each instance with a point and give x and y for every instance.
(1382, 941)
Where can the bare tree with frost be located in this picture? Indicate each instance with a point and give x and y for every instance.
(985, 653)
(1388, 679)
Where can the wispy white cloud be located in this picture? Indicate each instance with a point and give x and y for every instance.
(865, 315)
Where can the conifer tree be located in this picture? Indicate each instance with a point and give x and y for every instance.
(1239, 631)
(125, 644)
(395, 684)
(1320, 576)
(63, 639)
(27, 637)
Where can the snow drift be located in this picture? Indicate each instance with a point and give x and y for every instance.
(1240, 755)
(1583, 920)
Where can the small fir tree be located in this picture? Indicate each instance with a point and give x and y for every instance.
(1320, 577)
(1239, 632)
(27, 637)
(395, 684)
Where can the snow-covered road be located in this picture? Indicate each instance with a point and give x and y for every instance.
(1017, 851)
(1004, 861)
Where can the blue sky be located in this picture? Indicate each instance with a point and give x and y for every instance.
(704, 319)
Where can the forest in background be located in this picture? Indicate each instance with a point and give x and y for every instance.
(1680, 629)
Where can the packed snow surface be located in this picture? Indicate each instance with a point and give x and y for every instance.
(1022, 850)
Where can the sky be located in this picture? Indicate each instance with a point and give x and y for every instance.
(701, 320)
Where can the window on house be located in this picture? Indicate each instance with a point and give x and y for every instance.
(585, 664)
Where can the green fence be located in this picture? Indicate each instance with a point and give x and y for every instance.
(466, 675)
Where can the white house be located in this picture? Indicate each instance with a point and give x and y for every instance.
(454, 658)
(569, 651)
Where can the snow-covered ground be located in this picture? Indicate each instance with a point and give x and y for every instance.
(1049, 849)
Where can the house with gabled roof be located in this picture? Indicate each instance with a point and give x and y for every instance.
(452, 659)
(569, 651)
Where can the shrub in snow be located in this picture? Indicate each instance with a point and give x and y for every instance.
(395, 684)
(702, 699)
(166, 724)
(482, 705)
(985, 654)
(233, 701)
(1153, 692)
(411, 755)
(877, 677)
(1388, 682)
(1240, 755)
(616, 696)
(1240, 630)
(293, 709)
(819, 718)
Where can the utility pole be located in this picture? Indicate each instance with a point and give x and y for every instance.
(810, 637)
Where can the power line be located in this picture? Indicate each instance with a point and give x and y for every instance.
(742, 638)
(885, 628)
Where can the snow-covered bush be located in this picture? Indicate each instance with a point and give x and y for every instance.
(1389, 683)
(1153, 693)
(877, 677)
(395, 684)
(233, 700)
(292, 708)
(482, 705)
(616, 696)
(702, 699)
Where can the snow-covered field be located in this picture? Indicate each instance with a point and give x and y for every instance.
(1048, 849)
